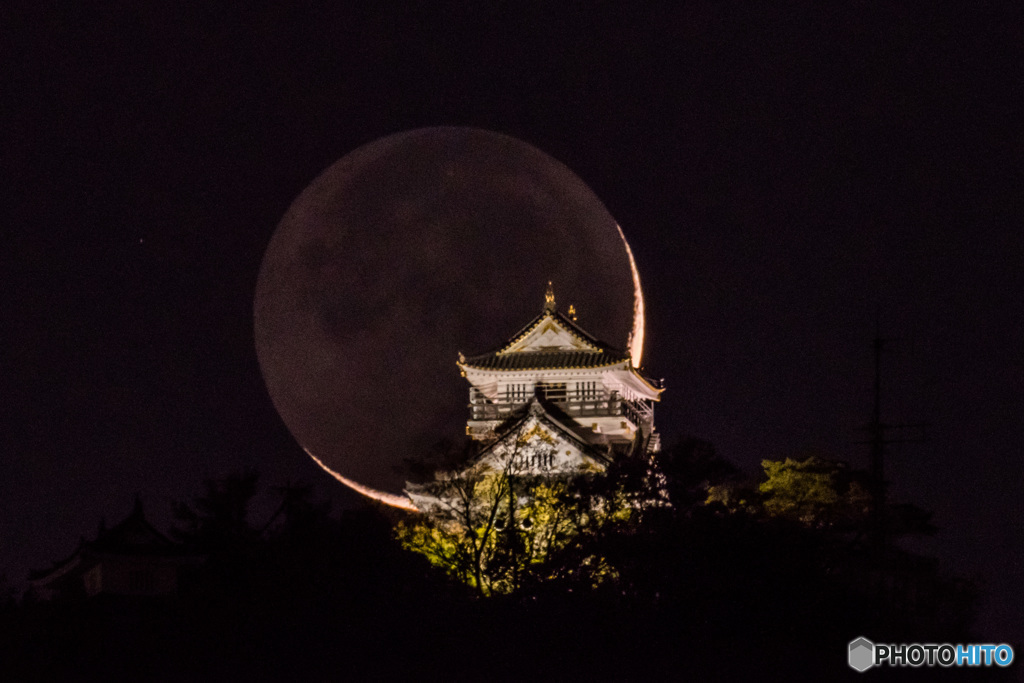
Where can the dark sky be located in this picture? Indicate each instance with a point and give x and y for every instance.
(786, 176)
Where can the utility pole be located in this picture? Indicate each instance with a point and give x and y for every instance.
(879, 437)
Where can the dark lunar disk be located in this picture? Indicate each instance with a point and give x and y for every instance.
(404, 253)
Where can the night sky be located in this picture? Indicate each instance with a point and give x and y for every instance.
(788, 178)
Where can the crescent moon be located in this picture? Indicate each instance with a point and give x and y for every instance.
(636, 337)
(395, 501)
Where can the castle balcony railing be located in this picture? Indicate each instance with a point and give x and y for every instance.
(637, 412)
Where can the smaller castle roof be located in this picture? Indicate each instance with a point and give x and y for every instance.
(550, 415)
(134, 536)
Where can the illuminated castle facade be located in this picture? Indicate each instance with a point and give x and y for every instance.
(555, 385)
(553, 401)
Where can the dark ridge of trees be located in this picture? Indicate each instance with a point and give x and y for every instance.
(761, 583)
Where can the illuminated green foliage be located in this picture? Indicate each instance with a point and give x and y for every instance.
(461, 533)
(814, 491)
(499, 530)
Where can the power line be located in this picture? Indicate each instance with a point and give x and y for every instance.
(882, 434)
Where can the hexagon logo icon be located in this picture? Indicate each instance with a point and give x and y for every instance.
(862, 654)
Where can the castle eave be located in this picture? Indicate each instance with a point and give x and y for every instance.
(545, 360)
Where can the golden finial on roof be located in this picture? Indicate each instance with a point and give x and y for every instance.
(549, 298)
(572, 312)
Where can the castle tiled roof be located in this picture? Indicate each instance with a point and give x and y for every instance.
(545, 360)
(596, 354)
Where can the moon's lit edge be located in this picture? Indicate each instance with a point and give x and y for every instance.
(636, 337)
(396, 501)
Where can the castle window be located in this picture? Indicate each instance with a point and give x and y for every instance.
(517, 393)
(586, 391)
(553, 391)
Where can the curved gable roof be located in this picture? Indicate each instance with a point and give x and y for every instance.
(549, 341)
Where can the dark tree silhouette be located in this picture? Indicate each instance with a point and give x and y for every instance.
(660, 585)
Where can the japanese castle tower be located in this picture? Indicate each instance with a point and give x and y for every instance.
(573, 402)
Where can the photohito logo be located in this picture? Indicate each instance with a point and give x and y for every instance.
(863, 654)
